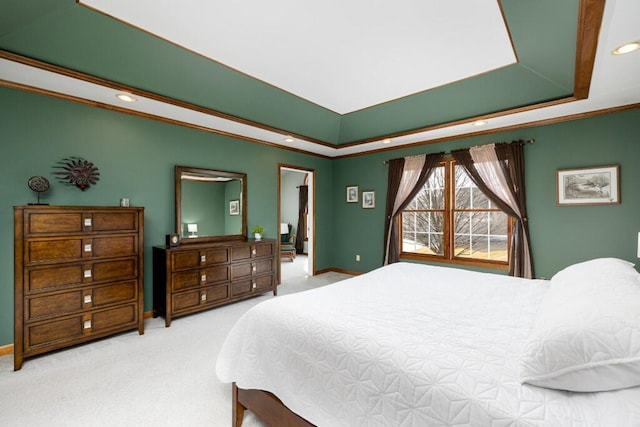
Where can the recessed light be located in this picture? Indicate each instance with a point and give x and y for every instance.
(289, 139)
(479, 123)
(626, 48)
(387, 141)
(126, 97)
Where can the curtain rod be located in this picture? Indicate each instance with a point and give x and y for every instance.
(530, 141)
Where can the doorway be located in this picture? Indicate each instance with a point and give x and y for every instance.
(293, 211)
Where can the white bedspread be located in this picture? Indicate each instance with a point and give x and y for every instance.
(408, 345)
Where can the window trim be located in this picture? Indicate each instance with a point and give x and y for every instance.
(449, 258)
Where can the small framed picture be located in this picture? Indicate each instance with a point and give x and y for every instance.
(588, 186)
(369, 199)
(352, 194)
(234, 207)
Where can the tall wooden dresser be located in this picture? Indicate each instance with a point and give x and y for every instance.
(198, 276)
(78, 275)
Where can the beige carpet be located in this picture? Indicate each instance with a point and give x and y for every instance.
(165, 377)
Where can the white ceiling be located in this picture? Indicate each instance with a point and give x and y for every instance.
(615, 81)
(342, 55)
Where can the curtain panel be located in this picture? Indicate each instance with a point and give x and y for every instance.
(406, 177)
(303, 201)
(498, 171)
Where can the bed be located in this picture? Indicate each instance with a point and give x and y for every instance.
(417, 345)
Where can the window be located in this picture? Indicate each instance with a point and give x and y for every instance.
(451, 220)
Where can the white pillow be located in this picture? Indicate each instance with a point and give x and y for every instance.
(586, 336)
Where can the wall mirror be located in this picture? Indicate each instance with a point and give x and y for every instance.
(210, 204)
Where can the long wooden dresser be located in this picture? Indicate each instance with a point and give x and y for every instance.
(194, 277)
(78, 275)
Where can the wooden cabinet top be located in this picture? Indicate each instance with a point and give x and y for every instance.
(219, 244)
(64, 220)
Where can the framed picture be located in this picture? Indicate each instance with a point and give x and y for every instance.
(234, 207)
(352, 194)
(588, 186)
(369, 199)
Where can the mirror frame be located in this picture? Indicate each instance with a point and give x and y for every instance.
(179, 170)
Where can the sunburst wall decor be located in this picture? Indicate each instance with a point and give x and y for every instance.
(77, 171)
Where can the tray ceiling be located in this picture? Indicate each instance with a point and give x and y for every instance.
(344, 56)
(243, 77)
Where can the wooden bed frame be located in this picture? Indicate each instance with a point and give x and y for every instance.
(264, 405)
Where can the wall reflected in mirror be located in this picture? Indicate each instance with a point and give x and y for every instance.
(210, 204)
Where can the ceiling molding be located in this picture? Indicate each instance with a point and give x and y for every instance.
(135, 91)
(91, 103)
(542, 122)
(589, 23)
(465, 120)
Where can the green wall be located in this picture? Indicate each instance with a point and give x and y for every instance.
(560, 235)
(203, 203)
(136, 159)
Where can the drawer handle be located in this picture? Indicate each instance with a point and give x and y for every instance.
(254, 268)
(87, 247)
(203, 297)
(87, 222)
(253, 252)
(87, 299)
(203, 258)
(87, 324)
(87, 273)
(254, 285)
(203, 278)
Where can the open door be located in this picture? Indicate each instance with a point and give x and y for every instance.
(296, 206)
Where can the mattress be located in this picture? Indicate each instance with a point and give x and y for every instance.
(409, 345)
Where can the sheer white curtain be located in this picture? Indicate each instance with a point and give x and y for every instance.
(495, 176)
(410, 174)
(488, 166)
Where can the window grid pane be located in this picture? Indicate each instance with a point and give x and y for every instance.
(423, 232)
(478, 230)
(474, 237)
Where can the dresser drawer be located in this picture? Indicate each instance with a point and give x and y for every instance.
(113, 222)
(114, 318)
(256, 284)
(53, 250)
(50, 278)
(46, 223)
(113, 294)
(256, 250)
(76, 248)
(63, 303)
(251, 268)
(109, 247)
(53, 305)
(198, 277)
(185, 280)
(113, 270)
(53, 223)
(263, 250)
(65, 276)
(197, 298)
(53, 333)
(197, 258)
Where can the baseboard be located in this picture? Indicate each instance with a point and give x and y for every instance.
(337, 270)
(6, 349)
(148, 314)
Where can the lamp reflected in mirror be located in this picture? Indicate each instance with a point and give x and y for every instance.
(212, 201)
